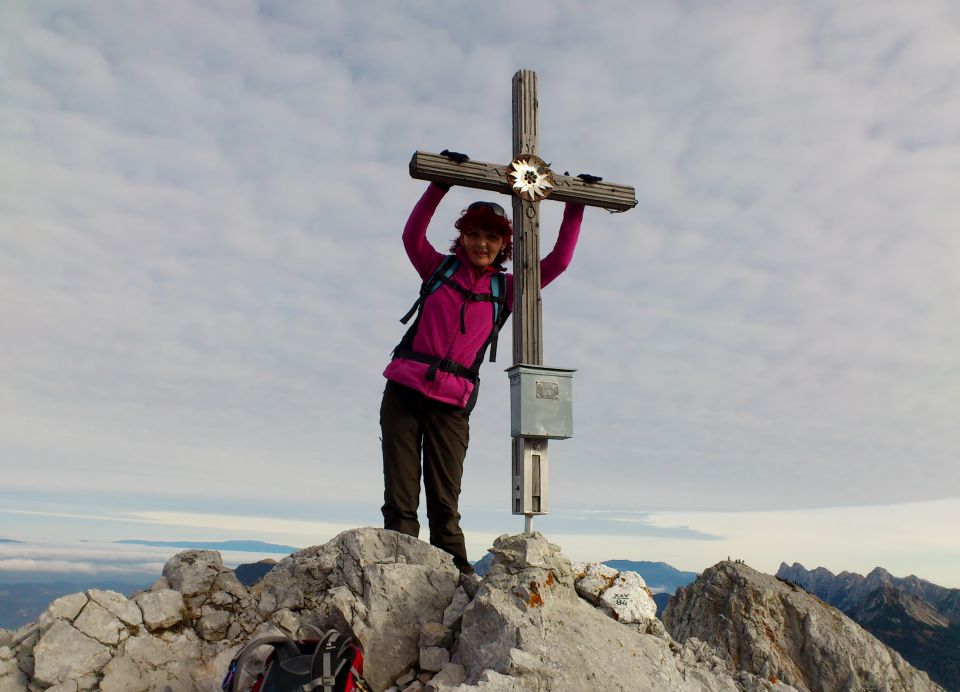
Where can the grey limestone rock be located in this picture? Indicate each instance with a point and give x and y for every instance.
(31, 629)
(81, 684)
(161, 609)
(527, 623)
(451, 676)
(219, 599)
(287, 621)
(433, 658)
(98, 622)
(193, 573)
(629, 600)
(454, 611)
(160, 584)
(406, 679)
(435, 634)
(212, 627)
(123, 609)
(779, 632)
(592, 579)
(146, 663)
(12, 678)
(526, 628)
(24, 652)
(64, 608)
(227, 582)
(492, 681)
(235, 631)
(64, 653)
(622, 595)
(69, 686)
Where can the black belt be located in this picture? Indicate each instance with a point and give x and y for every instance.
(435, 364)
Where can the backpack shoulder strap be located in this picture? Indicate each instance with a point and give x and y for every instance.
(498, 289)
(329, 658)
(447, 268)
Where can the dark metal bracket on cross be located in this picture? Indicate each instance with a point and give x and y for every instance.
(527, 321)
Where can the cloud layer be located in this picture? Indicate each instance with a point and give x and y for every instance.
(201, 270)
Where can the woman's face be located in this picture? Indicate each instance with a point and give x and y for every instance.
(482, 246)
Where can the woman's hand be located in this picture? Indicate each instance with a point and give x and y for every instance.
(455, 156)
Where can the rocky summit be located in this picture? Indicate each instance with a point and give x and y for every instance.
(533, 622)
(774, 629)
(916, 618)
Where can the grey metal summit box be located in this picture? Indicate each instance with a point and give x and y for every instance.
(541, 401)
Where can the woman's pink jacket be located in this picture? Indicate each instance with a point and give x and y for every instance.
(438, 333)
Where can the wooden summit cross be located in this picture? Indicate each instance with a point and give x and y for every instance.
(529, 479)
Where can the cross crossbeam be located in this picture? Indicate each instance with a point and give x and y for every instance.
(493, 177)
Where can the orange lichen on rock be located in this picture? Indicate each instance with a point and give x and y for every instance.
(535, 601)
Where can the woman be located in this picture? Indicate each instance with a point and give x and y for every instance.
(432, 379)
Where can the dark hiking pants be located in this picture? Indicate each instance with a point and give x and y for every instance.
(412, 424)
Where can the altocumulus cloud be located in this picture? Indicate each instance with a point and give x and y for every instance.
(200, 260)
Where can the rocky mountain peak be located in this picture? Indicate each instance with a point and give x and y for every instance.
(876, 577)
(916, 617)
(535, 622)
(776, 630)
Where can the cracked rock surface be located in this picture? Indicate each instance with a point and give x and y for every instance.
(527, 629)
(424, 627)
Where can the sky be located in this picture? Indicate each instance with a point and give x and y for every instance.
(201, 273)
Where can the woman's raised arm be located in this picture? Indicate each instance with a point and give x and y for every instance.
(554, 264)
(422, 254)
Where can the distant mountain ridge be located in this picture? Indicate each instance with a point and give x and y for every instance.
(657, 575)
(848, 588)
(917, 618)
(238, 546)
(250, 574)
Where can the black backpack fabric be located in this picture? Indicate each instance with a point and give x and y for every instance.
(332, 663)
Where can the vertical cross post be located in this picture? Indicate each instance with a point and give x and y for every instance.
(527, 321)
(529, 467)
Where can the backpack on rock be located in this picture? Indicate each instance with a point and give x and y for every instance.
(333, 663)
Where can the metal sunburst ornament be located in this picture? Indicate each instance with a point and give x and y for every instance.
(530, 178)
